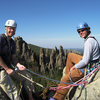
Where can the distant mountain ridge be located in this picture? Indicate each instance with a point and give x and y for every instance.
(77, 49)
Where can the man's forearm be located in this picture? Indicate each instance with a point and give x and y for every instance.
(2, 64)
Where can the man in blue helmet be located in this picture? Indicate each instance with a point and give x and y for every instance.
(75, 63)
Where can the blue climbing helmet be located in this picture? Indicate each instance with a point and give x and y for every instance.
(82, 26)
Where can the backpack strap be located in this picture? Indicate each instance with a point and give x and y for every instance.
(7, 43)
(94, 39)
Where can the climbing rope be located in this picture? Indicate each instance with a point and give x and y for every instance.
(70, 77)
(79, 82)
(30, 80)
(49, 78)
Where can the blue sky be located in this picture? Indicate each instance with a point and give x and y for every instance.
(50, 23)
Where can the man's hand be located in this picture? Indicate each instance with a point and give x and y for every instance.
(21, 67)
(2, 63)
(9, 71)
(72, 68)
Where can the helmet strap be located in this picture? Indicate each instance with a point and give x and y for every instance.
(88, 32)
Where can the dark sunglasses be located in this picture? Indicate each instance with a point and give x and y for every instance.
(81, 30)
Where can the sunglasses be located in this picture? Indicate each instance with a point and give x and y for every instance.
(81, 30)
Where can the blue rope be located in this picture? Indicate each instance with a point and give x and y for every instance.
(70, 77)
(49, 78)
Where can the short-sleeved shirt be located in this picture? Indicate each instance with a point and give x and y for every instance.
(7, 49)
